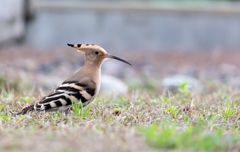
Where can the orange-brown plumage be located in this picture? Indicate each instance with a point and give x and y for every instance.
(83, 86)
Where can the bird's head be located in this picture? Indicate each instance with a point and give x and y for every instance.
(94, 53)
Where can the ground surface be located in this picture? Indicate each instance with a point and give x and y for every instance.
(139, 121)
(145, 119)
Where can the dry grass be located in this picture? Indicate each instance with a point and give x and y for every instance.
(139, 121)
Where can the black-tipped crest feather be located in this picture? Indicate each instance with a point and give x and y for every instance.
(70, 45)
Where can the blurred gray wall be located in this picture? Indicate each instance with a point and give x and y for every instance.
(12, 25)
(136, 26)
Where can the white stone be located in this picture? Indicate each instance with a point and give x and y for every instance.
(112, 67)
(235, 82)
(228, 71)
(47, 82)
(113, 86)
(171, 83)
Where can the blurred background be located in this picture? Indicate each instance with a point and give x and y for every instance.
(166, 41)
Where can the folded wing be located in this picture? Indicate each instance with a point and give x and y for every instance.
(63, 96)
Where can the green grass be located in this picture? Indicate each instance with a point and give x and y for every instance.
(189, 138)
(143, 120)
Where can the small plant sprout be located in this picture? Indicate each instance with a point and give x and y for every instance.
(164, 99)
(77, 108)
(28, 99)
(227, 112)
(183, 88)
(172, 110)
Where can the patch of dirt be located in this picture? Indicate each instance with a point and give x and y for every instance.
(207, 64)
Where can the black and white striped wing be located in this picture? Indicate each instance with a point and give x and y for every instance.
(63, 96)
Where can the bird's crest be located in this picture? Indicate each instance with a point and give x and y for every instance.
(82, 47)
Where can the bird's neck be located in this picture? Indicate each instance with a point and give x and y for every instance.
(89, 71)
(96, 64)
(92, 70)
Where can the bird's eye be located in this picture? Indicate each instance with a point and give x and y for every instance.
(97, 52)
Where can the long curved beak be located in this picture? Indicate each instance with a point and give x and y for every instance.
(117, 58)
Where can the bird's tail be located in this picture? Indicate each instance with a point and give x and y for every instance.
(26, 110)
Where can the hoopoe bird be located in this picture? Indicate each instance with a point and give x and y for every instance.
(82, 87)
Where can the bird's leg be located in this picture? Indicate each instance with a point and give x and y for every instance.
(68, 111)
